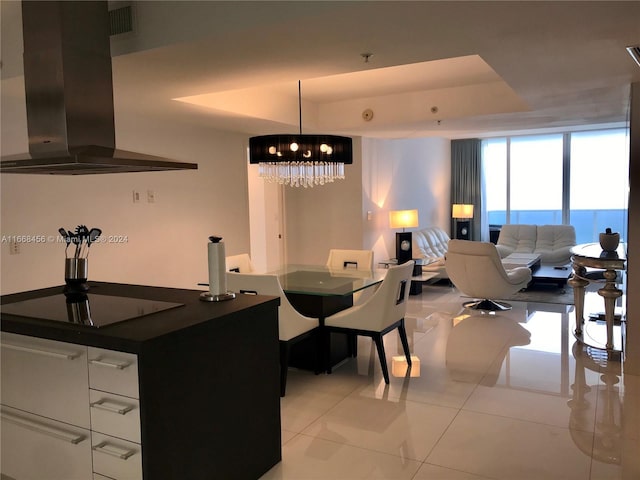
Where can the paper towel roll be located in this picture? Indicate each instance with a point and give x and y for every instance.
(217, 269)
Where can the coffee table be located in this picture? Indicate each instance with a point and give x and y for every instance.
(531, 260)
(555, 274)
(419, 277)
(551, 274)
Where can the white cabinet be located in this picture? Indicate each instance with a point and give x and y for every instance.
(46, 377)
(35, 447)
(116, 458)
(112, 371)
(115, 414)
(69, 411)
(45, 409)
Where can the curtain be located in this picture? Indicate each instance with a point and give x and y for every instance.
(466, 180)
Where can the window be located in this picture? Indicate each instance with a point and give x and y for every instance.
(543, 179)
(599, 183)
(535, 180)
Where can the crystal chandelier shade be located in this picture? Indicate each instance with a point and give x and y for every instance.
(301, 160)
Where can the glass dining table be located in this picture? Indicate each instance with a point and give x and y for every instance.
(319, 291)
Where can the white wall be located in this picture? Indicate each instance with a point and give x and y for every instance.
(403, 175)
(165, 241)
(267, 223)
(324, 217)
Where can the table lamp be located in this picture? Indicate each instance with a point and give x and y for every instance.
(403, 219)
(462, 213)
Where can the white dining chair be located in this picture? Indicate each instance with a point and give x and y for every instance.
(292, 326)
(239, 263)
(358, 259)
(381, 313)
(361, 260)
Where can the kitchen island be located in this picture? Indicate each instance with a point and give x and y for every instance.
(195, 387)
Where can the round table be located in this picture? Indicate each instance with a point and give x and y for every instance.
(591, 255)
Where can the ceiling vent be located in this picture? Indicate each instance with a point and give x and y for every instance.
(121, 20)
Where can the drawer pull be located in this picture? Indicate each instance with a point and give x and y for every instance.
(112, 364)
(37, 351)
(111, 406)
(44, 429)
(114, 451)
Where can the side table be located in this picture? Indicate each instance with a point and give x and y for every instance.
(419, 277)
(591, 255)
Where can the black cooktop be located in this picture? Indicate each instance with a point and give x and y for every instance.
(90, 310)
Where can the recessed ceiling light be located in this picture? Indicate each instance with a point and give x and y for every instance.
(635, 53)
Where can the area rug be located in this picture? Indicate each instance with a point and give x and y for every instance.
(562, 296)
(542, 294)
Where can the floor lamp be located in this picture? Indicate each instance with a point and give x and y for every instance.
(462, 214)
(403, 219)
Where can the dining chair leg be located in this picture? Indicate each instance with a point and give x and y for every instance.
(405, 343)
(284, 366)
(377, 338)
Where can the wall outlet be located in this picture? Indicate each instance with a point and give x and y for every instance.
(136, 196)
(151, 196)
(14, 247)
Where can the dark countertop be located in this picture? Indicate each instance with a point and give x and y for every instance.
(130, 335)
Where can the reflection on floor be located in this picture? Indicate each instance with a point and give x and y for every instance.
(507, 396)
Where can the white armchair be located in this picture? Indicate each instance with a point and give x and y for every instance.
(382, 312)
(475, 268)
(292, 326)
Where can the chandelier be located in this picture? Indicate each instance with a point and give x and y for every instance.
(301, 160)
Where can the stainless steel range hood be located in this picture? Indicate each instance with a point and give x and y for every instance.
(69, 95)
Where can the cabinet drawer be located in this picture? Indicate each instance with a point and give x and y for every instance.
(112, 371)
(45, 377)
(116, 458)
(35, 448)
(115, 415)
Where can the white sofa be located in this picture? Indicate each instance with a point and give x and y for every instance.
(429, 245)
(552, 242)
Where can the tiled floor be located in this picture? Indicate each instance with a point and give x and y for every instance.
(508, 396)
